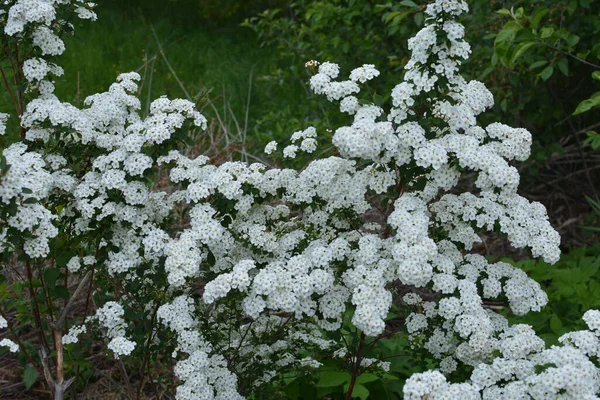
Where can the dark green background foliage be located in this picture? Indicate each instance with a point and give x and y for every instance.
(194, 12)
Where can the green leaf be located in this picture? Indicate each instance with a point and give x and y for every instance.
(361, 392)
(4, 166)
(572, 40)
(563, 66)
(30, 376)
(486, 72)
(593, 139)
(391, 16)
(588, 104)
(537, 64)
(60, 292)
(409, 3)
(596, 75)
(418, 19)
(333, 378)
(556, 324)
(18, 287)
(62, 259)
(50, 276)
(547, 72)
(504, 40)
(503, 11)
(519, 13)
(378, 100)
(535, 21)
(366, 378)
(520, 50)
(546, 32)
(358, 391)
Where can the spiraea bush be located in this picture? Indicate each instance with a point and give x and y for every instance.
(239, 278)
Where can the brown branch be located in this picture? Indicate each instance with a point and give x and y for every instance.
(36, 306)
(57, 324)
(10, 92)
(356, 367)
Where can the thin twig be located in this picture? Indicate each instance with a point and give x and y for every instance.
(65, 310)
(575, 57)
(162, 53)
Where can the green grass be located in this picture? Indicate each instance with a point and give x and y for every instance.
(200, 59)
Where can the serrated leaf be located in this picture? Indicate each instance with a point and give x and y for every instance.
(30, 376)
(333, 378)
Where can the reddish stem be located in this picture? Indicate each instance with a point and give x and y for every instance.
(356, 367)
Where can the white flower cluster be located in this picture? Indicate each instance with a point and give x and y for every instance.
(33, 15)
(36, 69)
(3, 118)
(12, 346)
(308, 144)
(35, 21)
(110, 316)
(524, 223)
(525, 369)
(73, 335)
(203, 376)
(24, 185)
(289, 252)
(460, 312)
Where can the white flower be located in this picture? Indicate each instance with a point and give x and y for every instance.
(121, 346)
(271, 147)
(12, 346)
(290, 151)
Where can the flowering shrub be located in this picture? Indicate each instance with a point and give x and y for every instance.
(239, 273)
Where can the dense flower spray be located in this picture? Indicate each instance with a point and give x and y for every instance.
(290, 253)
